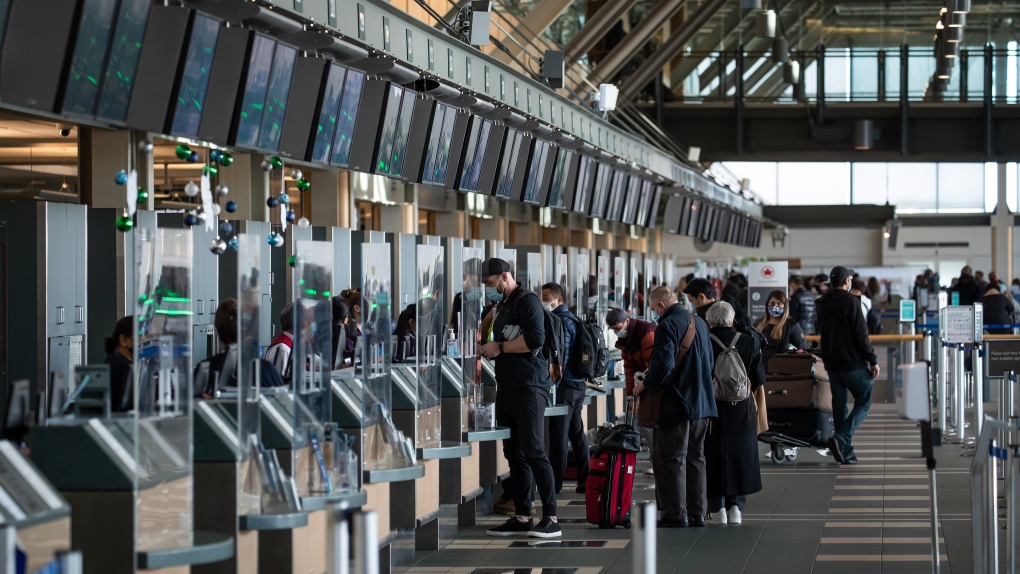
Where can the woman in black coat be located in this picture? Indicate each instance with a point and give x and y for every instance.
(731, 447)
(779, 331)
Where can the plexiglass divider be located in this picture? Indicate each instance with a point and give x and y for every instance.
(581, 286)
(162, 389)
(470, 322)
(535, 278)
(620, 282)
(563, 277)
(637, 308)
(602, 276)
(384, 446)
(430, 341)
(311, 363)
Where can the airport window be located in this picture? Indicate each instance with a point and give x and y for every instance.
(361, 22)
(432, 55)
(386, 34)
(410, 46)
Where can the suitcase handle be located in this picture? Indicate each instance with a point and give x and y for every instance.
(783, 392)
(630, 411)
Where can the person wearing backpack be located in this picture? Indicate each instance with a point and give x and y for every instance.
(570, 391)
(731, 445)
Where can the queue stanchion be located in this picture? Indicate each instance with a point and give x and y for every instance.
(366, 542)
(984, 495)
(960, 403)
(643, 538)
(909, 347)
(339, 551)
(8, 549)
(978, 362)
(941, 387)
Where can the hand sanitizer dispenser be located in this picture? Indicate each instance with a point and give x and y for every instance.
(912, 398)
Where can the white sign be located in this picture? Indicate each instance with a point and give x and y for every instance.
(958, 324)
(775, 274)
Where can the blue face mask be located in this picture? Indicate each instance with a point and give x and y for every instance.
(493, 295)
(655, 316)
(472, 295)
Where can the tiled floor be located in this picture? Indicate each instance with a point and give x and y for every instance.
(812, 517)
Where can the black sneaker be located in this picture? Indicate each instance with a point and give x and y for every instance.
(545, 528)
(852, 459)
(837, 450)
(513, 527)
(672, 523)
(696, 521)
(580, 488)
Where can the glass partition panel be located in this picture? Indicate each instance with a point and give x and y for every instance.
(603, 291)
(384, 446)
(636, 301)
(313, 339)
(646, 284)
(162, 388)
(620, 282)
(535, 279)
(470, 323)
(249, 353)
(562, 275)
(510, 256)
(429, 329)
(582, 275)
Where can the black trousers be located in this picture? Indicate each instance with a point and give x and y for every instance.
(679, 464)
(522, 410)
(569, 427)
(723, 503)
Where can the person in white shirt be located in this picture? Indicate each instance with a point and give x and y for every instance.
(279, 351)
(857, 289)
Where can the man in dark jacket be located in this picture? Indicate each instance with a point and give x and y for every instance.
(702, 296)
(968, 288)
(849, 359)
(635, 339)
(522, 393)
(570, 393)
(802, 306)
(687, 403)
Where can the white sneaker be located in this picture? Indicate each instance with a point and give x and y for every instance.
(717, 517)
(734, 515)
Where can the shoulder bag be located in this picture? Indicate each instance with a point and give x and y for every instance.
(650, 407)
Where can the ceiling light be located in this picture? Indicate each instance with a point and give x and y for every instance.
(953, 34)
(957, 19)
(961, 6)
(780, 51)
(791, 72)
(952, 50)
(765, 24)
(750, 4)
(863, 134)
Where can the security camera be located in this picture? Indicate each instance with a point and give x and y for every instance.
(64, 130)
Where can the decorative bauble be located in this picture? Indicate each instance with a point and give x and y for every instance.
(291, 216)
(210, 170)
(226, 228)
(267, 165)
(120, 178)
(296, 174)
(231, 207)
(226, 159)
(193, 158)
(303, 223)
(275, 239)
(125, 223)
(216, 209)
(283, 198)
(190, 219)
(215, 154)
(222, 190)
(143, 195)
(292, 260)
(303, 184)
(217, 246)
(276, 162)
(232, 244)
(182, 151)
(200, 216)
(191, 189)
(145, 146)
(272, 201)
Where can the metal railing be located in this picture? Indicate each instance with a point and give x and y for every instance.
(985, 526)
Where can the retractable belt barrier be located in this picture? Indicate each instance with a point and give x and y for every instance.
(985, 526)
(643, 538)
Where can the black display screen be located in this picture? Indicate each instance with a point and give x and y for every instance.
(536, 171)
(440, 137)
(195, 78)
(508, 163)
(475, 152)
(325, 127)
(388, 132)
(603, 178)
(253, 100)
(5, 9)
(398, 150)
(654, 211)
(119, 76)
(615, 204)
(345, 119)
(630, 200)
(558, 187)
(276, 98)
(94, 33)
(585, 178)
(644, 204)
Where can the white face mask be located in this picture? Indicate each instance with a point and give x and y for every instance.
(549, 305)
(621, 333)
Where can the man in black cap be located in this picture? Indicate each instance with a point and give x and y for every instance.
(522, 393)
(849, 359)
(701, 294)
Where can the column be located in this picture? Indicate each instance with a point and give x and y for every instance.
(324, 205)
(249, 186)
(102, 153)
(1002, 230)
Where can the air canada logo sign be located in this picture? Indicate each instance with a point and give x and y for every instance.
(768, 272)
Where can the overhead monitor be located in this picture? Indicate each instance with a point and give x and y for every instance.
(306, 86)
(600, 195)
(345, 121)
(95, 29)
(691, 217)
(277, 92)
(34, 57)
(614, 205)
(395, 128)
(585, 184)
(122, 63)
(474, 154)
(563, 179)
(225, 78)
(630, 203)
(328, 108)
(166, 40)
(198, 61)
(437, 153)
(653, 213)
(643, 204)
(535, 184)
(253, 96)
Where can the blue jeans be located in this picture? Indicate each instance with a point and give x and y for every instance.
(859, 383)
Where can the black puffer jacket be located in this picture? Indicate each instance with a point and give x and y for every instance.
(844, 331)
(803, 312)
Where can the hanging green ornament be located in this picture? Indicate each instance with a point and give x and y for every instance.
(226, 159)
(303, 184)
(182, 152)
(143, 195)
(125, 223)
(292, 260)
(276, 162)
(210, 170)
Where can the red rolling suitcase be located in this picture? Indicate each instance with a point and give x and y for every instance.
(609, 491)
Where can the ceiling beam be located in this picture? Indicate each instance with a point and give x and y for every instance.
(528, 31)
(596, 27)
(632, 43)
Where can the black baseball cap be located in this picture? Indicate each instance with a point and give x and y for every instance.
(615, 316)
(494, 266)
(839, 275)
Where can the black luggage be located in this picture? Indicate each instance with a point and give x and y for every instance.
(810, 425)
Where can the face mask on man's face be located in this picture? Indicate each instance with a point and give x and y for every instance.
(549, 305)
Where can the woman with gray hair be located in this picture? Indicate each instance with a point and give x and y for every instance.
(731, 447)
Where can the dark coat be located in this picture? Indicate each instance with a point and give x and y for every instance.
(689, 395)
(636, 349)
(792, 335)
(844, 331)
(731, 445)
(969, 290)
(803, 312)
(569, 321)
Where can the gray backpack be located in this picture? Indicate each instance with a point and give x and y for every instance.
(729, 377)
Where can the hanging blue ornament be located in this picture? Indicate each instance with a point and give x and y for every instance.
(193, 158)
(190, 220)
(231, 207)
(215, 155)
(272, 201)
(226, 228)
(275, 239)
(232, 244)
(291, 216)
(284, 198)
(120, 178)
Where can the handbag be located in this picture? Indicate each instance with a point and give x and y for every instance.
(650, 407)
(622, 437)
